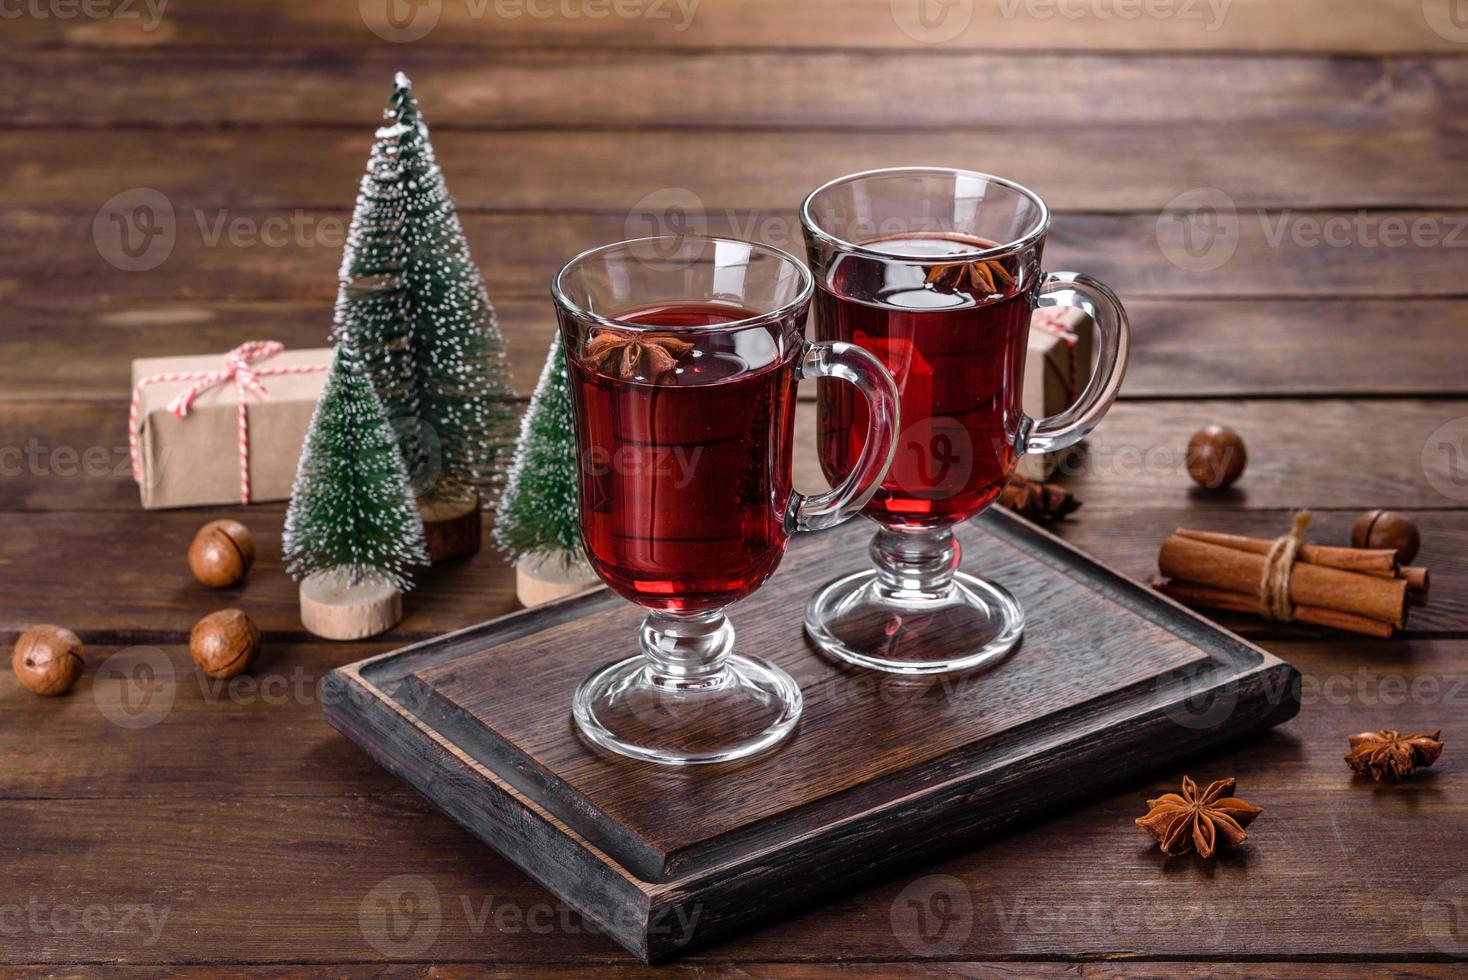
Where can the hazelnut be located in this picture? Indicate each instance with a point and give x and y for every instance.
(222, 553)
(1216, 457)
(48, 660)
(224, 643)
(1387, 529)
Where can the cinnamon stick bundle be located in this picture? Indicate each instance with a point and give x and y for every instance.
(1356, 589)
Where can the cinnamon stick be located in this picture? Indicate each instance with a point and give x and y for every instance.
(1369, 560)
(1232, 570)
(1193, 594)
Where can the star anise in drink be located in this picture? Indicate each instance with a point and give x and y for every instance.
(1194, 821)
(1389, 756)
(633, 354)
(986, 278)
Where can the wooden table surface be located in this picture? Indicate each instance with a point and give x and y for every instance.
(161, 822)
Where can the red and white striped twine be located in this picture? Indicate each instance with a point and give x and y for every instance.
(239, 368)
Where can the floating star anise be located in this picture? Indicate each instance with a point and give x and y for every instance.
(985, 277)
(1194, 822)
(1387, 755)
(631, 354)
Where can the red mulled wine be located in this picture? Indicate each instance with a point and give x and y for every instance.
(955, 345)
(685, 449)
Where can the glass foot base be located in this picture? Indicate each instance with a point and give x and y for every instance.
(969, 624)
(742, 707)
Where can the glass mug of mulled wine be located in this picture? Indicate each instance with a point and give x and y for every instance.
(683, 356)
(937, 273)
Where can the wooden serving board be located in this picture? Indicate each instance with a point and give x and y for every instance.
(1111, 680)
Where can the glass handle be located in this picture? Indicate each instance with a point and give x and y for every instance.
(1094, 298)
(848, 362)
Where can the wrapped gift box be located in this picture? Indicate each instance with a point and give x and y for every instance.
(196, 457)
(1057, 367)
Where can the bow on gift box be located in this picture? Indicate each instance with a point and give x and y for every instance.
(1052, 320)
(239, 367)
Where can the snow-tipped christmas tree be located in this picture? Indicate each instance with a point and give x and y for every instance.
(413, 303)
(352, 514)
(538, 512)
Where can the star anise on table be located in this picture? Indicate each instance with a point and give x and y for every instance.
(986, 277)
(631, 354)
(1193, 821)
(1038, 501)
(1390, 756)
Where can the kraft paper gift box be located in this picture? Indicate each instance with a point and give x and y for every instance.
(195, 459)
(1057, 366)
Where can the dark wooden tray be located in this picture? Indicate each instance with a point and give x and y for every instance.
(1110, 680)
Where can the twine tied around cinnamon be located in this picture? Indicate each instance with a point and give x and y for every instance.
(1274, 582)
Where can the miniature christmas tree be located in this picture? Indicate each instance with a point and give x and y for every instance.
(413, 303)
(352, 515)
(538, 512)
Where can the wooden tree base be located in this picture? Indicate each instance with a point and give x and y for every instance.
(544, 578)
(452, 527)
(335, 611)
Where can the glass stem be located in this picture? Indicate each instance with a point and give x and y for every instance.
(686, 650)
(915, 564)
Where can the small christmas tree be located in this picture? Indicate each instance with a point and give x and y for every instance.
(352, 514)
(413, 303)
(538, 513)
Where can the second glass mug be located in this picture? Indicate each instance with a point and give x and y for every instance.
(937, 272)
(683, 355)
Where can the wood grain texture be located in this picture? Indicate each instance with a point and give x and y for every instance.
(1245, 25)
(1133, 167)
(243, 818)
(1181, 348)
(74, 455)
(710, 88)
(308, 885)
(294, 254)
(667, 859)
